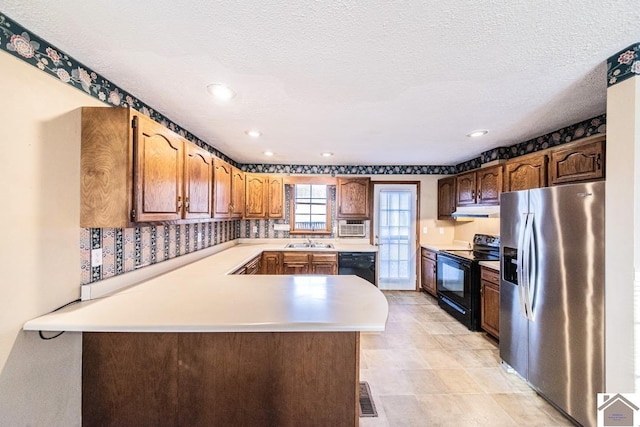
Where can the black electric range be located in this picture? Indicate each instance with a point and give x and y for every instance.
(458, 278)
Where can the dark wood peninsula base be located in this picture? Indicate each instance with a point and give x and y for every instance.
(220, 379)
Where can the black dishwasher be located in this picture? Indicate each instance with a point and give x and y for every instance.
(362, 264)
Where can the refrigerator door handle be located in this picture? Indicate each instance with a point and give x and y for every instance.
(520, 265)
(530, 270)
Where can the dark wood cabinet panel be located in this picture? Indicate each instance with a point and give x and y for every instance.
(578, 161)
(129, 379)
(446, 197)
(490, 301)
(526, 172)
(353, 198)
(466, 189)
(220, 379)
(479, 187)
(489, 182)
(428, 271)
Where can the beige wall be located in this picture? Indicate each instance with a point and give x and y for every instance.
(39, 254)
(428, 208)
(622, 257)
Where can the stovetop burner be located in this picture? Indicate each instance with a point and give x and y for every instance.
(485, 248)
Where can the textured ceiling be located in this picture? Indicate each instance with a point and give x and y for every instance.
(375, 82)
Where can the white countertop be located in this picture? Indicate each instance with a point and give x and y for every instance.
(445, 246)
(201, 297)
(494, 265)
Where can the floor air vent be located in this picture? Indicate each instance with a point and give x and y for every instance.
(367, 408)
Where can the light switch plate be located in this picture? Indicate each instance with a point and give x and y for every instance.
(96, 257)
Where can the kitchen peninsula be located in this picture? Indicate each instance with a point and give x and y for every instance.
(195, 346)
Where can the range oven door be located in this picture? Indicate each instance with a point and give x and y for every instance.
(454, 288)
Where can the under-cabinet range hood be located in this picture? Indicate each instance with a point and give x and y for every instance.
(470, 212)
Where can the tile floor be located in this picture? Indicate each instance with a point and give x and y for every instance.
(427, 369)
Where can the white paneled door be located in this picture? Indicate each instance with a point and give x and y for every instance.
(394, 219)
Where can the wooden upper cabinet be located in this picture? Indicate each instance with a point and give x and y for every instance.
(264, 196)
(221, 189)
(446, 197)
(237, 192)
(466, 189)
(526, 172)
(197, 182)
(578, 161)
(275, 208)
(353, 197)
(157, 172)
(256, 196)
(489, 182)
(134, 170)
(480, 187)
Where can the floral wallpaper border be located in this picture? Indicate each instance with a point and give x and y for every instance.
(583, 129)
(23, 44)
(623, 65)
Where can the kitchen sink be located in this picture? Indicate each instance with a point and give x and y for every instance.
(310, 245)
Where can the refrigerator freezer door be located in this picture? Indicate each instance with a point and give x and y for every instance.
(566, 337)
(514, 207)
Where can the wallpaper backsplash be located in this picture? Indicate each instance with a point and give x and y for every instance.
(127, 249)
(264, 227)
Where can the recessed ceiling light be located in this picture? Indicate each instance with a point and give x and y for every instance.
(327, 154)
(268, 153)
(220, 91)
(253, 133)
(477, 133)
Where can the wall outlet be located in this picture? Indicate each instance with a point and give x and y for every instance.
(96, 257)
(200, 238)
(425, 230)
(255, 228)
(441, 229)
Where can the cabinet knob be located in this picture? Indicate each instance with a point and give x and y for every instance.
(179, 202)
(598, 161)
(186, 203)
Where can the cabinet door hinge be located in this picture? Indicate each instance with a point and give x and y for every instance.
(134, 122)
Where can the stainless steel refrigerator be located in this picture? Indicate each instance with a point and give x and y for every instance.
(552, 293)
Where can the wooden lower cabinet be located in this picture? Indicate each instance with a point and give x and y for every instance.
(310, 263)
(271, 262)
(428, 271)
(220, 379)
(295, 263)
(324, 263)
(490, 301)
(251, 267)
